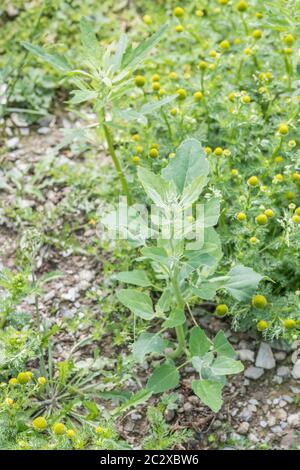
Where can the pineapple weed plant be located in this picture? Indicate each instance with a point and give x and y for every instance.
(211, 119)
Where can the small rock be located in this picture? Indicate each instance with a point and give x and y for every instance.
(263, 424)
(276, 430)
(289, 440)
(296, 370)
(13, 143)
(271, 421)
(245, 355)
(283, 372)
(280, 355)
(243, 428)
(169, 415)
(253, 373)
(287, 398)
(136, 416)
(294, 420)
(265, 358)
(277, 380)
(295, 390)
(188, 407)
(281, 415)
(43, 130)
(253, 401)
(70, 295)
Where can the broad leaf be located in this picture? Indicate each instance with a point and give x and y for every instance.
(242, 282)
(159, 255)
(159, 190)
(164, 302)
(138, 302)
(199, 344)
(222, 345)
(189, 163)
(163, 378)
(224, 365)
(137, 277)
(176, 318)
(79, 96)
(210, 392)
(148, 343)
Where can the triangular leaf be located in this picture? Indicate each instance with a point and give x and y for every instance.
(210, 392)
(138, 302)
(163, 378)
(199, 344)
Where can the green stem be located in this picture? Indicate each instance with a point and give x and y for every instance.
(179, 329)
(117, 164)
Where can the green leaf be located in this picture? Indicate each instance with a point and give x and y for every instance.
(222, 345)
(164, 302)
(206, 253)
(138, 302)
(158, 189)
(199, 344)
(147, 343)
(133, 57)
(88, 37)
(163, 378)
(224, 365)
(137, 399)
(150, 107)
(138, 277)
(79, 96)
(176, 318)
(189, 163)
(159, 255)
(242, 282)
(57, 61)
(210, 392)
(192, 192)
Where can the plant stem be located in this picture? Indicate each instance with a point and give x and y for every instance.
(117, 164)
(179, 329)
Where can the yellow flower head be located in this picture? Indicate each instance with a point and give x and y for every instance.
(136, 160)
(155, 77)
(155, 86)
(221, 310)
(257, 34)
(198, 95)
(23, 378)
(181, 93)
(242, 6)
(269, 213)
(224, 45)
(179, 12)
(262, 325)
(261, 219)
(147, 19)
(241, 216)
(259, 301)
(42, 380)
(39, 423)
(140, 80)
(289, 323)
(253, 181)
(283, 129)
(59, 429)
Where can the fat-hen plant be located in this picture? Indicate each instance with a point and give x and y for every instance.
(103, 79)
(187, 268)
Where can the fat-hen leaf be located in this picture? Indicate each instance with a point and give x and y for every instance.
(137, 277)
(210, 392)
(147, 343)
(199, 344)
(188, 164)
(163, 378)
(138, 302)
(242, 282)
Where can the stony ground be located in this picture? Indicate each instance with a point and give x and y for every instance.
(262, 407)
